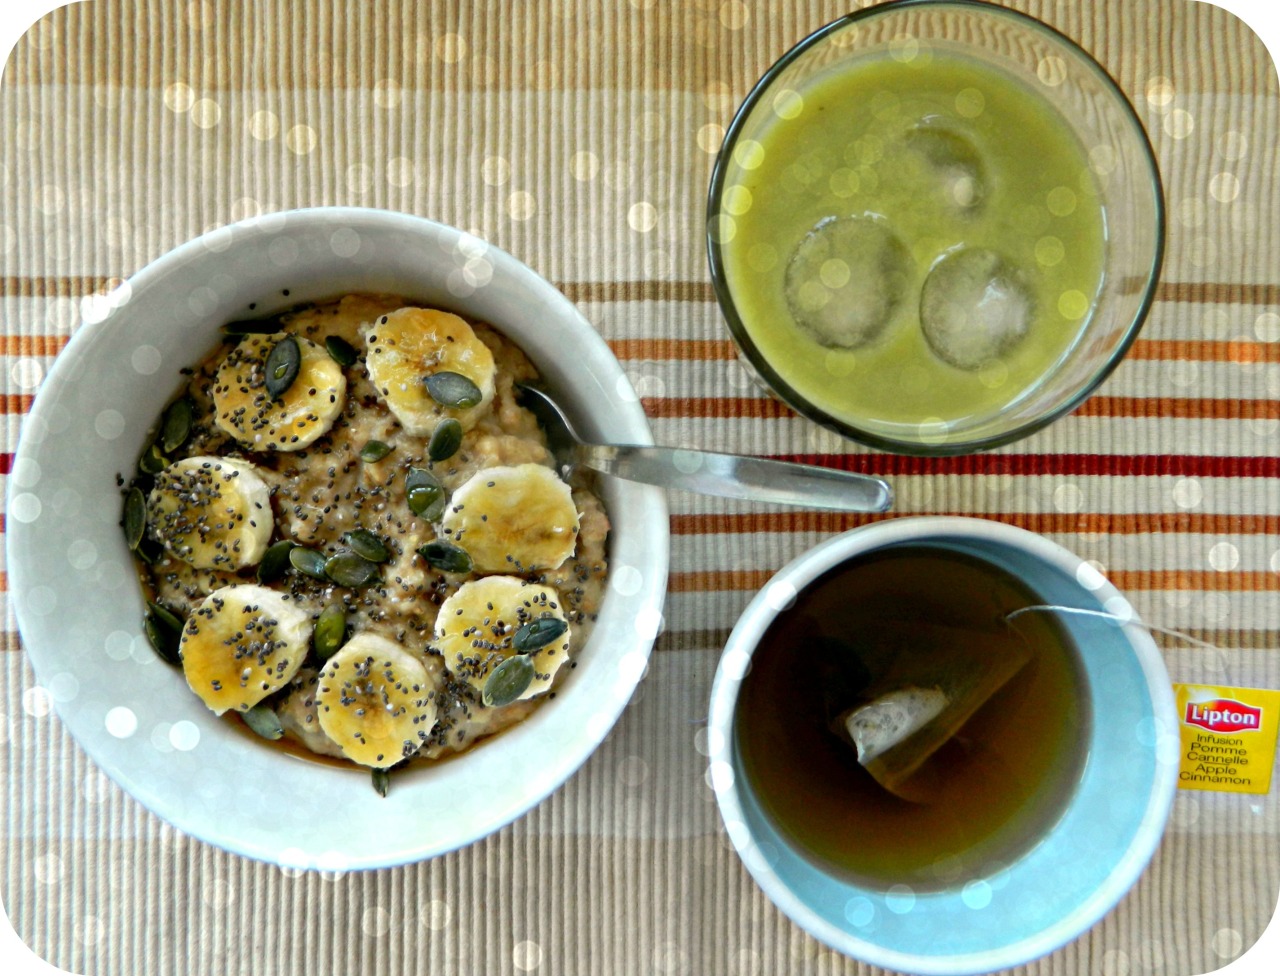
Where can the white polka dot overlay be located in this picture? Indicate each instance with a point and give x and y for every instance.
(121, 722)
(526, 956)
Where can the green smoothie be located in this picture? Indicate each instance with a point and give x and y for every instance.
(912, 246)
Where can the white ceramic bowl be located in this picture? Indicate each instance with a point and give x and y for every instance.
(80, 610)
(1002, 914)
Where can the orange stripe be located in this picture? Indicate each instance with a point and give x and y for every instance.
(704, 350)
(1206, 350)
(766, 408)
(1188, 523)
(31, 345)
(60, 286)
(1196, 408)
(1127, 580)
(716, 350)
(1199, 408)
(721, 350)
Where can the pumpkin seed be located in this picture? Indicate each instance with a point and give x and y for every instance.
(275, 561)
(244, 327)
(283, 362)
(164, 631)
(340, 351)
(508, 681)
(538, 633)
(176, 426)
(453, 390)
(374, 451)
(347, 568)
(446, 557)
(135, 517)
(308, 561)
(366, 544)
(264, 721)
(382, 781)
(153, 460)
(330, 632)
(167, 617)
(425, 494)
(445, 440)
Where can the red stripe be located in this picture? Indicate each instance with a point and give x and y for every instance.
(1107, 465)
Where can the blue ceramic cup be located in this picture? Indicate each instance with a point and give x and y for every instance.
(1003, 912)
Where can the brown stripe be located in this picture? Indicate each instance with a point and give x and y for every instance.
(638, 291)
(15, 403)
(1218, 293)
(755, 408)
(766, 408)
(1187, 523)
(1129, 580)
(1225, 293)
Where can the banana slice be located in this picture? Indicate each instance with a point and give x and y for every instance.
(242, 644)
(513, 519)
(247, 410)
(376, 701)
(477, 625)
(214, 513)
(410, 345)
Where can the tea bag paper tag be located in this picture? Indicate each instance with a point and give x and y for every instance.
(1228, 737)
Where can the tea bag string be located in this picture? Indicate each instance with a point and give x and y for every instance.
(1116, 618)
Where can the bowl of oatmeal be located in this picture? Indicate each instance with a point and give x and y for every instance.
(313, 546)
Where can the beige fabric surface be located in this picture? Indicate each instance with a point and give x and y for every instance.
(580, 135)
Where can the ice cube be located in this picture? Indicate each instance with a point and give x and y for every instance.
(846, 278)
(975, 306)
(953, 161)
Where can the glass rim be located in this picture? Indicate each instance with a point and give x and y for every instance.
(801, 404)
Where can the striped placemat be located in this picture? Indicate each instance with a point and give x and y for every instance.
(579, 135)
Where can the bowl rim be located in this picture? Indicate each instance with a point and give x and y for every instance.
(743, 640)
(650, 505)
(792, 397)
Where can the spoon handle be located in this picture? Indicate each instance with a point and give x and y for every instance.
(735, 476)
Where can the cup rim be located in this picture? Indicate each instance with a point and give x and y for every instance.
(792, 397)
(773, 598)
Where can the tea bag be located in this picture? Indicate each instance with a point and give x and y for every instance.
(928, 680)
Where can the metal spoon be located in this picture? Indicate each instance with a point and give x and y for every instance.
(727, 475)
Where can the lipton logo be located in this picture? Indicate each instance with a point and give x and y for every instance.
(1224, 715)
